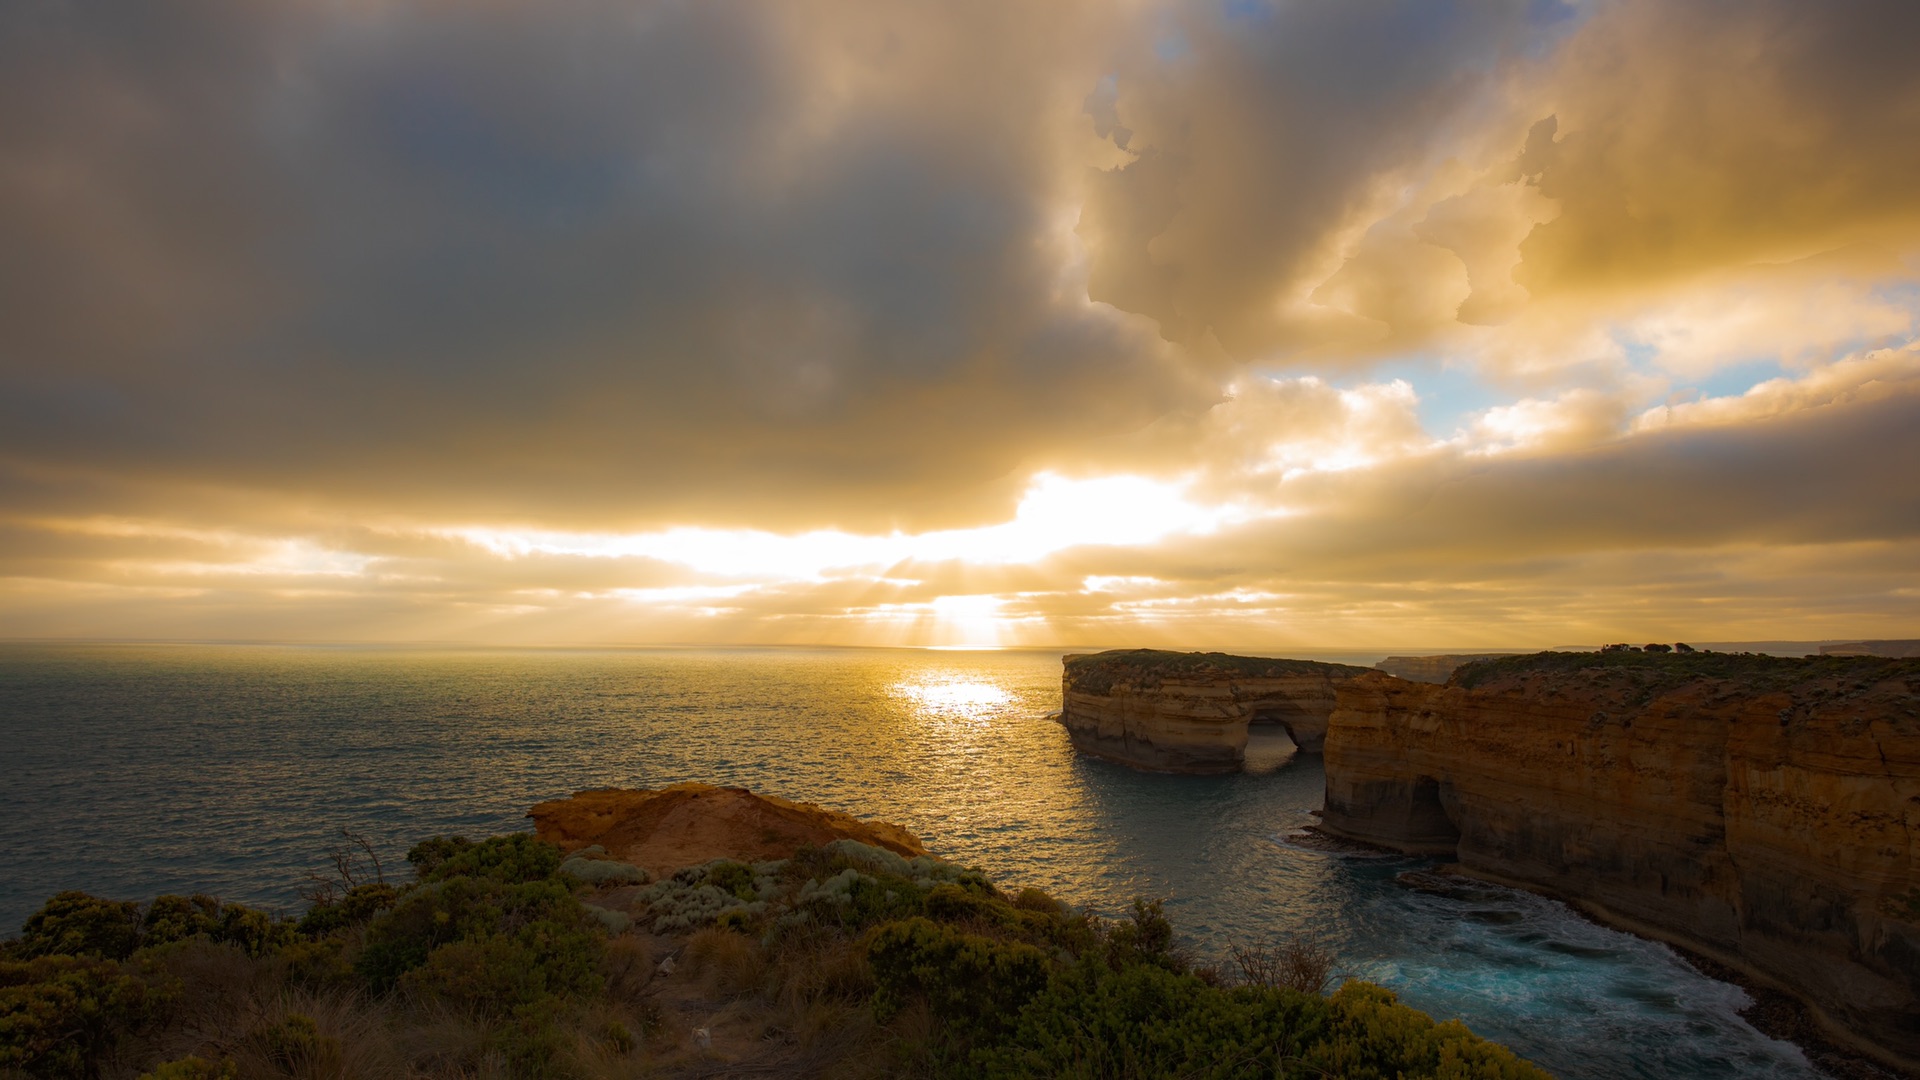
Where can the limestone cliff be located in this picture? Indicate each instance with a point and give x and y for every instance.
(685, 824)
(1763, 811)
(1188, 712)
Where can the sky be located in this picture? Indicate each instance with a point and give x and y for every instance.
(1240, 324)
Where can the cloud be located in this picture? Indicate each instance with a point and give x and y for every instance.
(703, 261)
(746, 321)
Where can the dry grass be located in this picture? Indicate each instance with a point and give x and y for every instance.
(439, 1040)
(726, 962)
(628, 967)
(829, 968)
(327, 1036)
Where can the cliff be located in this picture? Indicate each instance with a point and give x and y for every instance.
(1762, 811)
(1188, 712)
(684, 824)
(1433, 669)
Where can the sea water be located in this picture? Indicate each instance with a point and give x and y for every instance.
(134, 770)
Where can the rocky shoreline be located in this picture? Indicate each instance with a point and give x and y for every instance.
(1762, 811)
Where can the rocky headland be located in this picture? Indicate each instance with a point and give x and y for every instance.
(1762, 811)
(1189, 712)
(661, 830)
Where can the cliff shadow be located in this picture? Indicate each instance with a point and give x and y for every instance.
(1429, 822)
(1414, 815)
(1304, 724)
(1270, 747)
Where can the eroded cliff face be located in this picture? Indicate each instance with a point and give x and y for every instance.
(1763, 811)
(1189, 712)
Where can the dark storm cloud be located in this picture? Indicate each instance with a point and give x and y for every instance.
(728, 260)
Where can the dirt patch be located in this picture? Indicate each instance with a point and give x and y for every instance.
(687, 824)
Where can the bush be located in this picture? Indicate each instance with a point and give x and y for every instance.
(1145, 936)
(60, 1014)
(1371, 1035)
(1147, 1021)
(976, 983)
(518, 942)
(514, 858)
(76, 924)
(356, 908)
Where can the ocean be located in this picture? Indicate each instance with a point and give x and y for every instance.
(135, 770)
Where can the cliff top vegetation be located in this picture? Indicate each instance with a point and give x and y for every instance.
(1654, 670)
(504, 958)
(1098, 673)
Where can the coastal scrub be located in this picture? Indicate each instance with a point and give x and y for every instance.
(840, 960)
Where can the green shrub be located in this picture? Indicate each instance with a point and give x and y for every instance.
(516, 942)
(76, 924)
(428, 855)
(1145, 936)
(1371, 1035)
(177, 918)
(318, 965)
(976, 983)
(1146, 1021)
(515, 857)
(1031, 899)
(356, 908)
(60, 1014)
(948, 902)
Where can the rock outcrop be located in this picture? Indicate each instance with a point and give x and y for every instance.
(1762, 811)
(1433, 669)
(1188, 712)
(686, 824)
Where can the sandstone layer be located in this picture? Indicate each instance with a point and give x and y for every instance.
(1189, 712)
(686, 824)
(1762, 811)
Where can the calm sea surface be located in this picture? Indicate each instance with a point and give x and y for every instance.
(135, 770)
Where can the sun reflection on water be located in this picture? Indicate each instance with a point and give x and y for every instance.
(955, 697)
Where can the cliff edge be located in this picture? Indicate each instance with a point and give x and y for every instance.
(1189, 712)
(1763, 811)
(685, 824)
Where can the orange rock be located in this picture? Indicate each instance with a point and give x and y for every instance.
(688, 824)
(1188, 712)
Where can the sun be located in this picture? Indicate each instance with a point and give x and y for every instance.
(967, 622)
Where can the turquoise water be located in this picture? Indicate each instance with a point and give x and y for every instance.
(135, 770)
